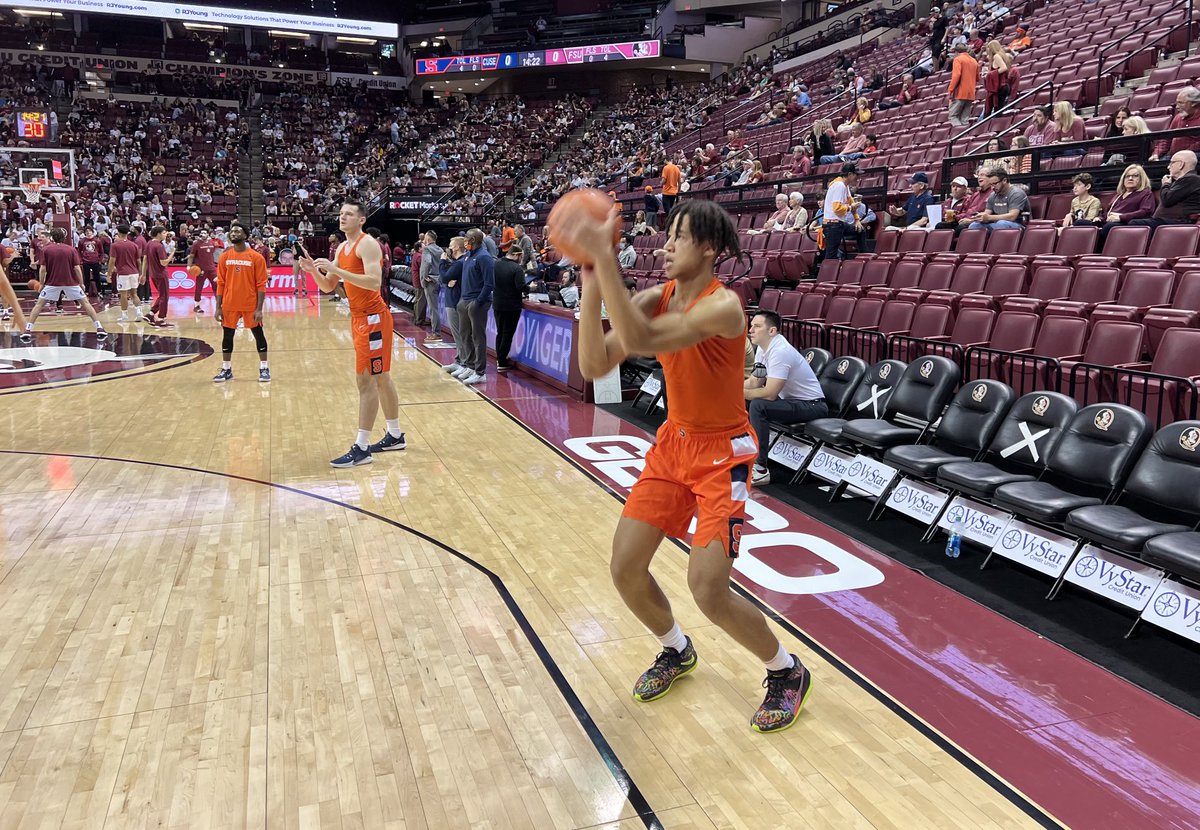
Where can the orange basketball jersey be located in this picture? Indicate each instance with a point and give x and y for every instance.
(362, 300)
(240, 276)
(705, 381)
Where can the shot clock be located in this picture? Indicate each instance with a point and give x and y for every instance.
(33, 126)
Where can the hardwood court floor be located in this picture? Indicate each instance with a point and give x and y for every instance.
(203, 625)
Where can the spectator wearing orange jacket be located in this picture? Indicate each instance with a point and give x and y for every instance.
(671, 176)
(964, 77)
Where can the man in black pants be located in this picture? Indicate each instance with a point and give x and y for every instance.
(506, 303)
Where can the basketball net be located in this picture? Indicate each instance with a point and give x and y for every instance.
(33, 190)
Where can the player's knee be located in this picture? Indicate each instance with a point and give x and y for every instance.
(710, 593)
(627, 571)
(227, 340)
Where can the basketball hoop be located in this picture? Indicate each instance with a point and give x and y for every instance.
(33, 190)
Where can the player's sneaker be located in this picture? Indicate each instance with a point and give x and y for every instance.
(26, 336)
(474, 378)
(354, 457)
(433, 338)
(760, 476)
(101, 334)
(223, 375)
(197, 310)
(786, 692)
(463, 373)
(264, 375)
(389, 442)
(452, 368)
(669, 666)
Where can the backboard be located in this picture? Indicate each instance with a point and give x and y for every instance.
(54, 166)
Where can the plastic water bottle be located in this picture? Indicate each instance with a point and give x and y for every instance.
(954, 540)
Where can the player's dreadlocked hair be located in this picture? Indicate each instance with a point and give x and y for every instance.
(709, 224)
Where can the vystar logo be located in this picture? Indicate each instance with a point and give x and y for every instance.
(1029, 544)
(914, 499)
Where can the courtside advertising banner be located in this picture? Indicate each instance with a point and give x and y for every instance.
(279, 281)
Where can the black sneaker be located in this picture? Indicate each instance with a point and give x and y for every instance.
(26, 336)
(101, 334)
(223, 375)
(389, 442)
(356, 456)
(197, 310)
(264, 375)
(786, 692)
(669, 666)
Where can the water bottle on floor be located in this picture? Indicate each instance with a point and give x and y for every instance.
(954, 540)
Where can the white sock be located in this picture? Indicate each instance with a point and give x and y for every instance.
(393, 428)
(364, 438)
(781, 661)
(674, 638)
(262, 364)
(225, 364)
(99, 325)
(28, 326)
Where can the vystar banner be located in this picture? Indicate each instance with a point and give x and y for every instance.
(1114, 576)
(977, 522)
(869, 475)
(1039, 549)
(789, 452)
(917, 500)
(831, 465)
(1175, 607)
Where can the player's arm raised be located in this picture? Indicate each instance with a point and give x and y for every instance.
(325, 282)
(372, 260)
(600, 351)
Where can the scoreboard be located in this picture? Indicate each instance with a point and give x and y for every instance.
(564, 56)
(33, 126)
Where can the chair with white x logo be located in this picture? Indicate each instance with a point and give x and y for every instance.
(870, 400)
(1017, 453)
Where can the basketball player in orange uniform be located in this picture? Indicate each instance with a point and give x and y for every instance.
(360, 266)
(241, 292)
(700, 464)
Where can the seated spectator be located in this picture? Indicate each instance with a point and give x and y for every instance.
(853, 149)
(1085, 208)
(640, 226)
(861, 115)
(797, 218)
(1040, 127)
(1021, 41)
(1130, 126)
(1135, 200)
(996, 145)
(955, 207)
(1022, 161)
(907, 94)
(1179, 198)
(1187, 114)
(1068, 127)
(822, 138)
(1007, 206)
(1116, 123)
(785, 389)
(802, 97)
(801, 162)
(923, 67)
(626, 255)
(914, 213)
(777, 221)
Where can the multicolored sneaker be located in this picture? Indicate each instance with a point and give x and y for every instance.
(669, 666)
(786, 692)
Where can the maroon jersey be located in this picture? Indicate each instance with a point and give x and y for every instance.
(155, 254)
(204, 254)
(141, 243)
(35, 250)
(60, 260)
(91, 251)
(126, 257)
(387, 261)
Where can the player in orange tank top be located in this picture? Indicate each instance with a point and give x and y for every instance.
(359, 267)
(700, 464)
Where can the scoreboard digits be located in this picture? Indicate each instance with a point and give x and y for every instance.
(563, 56)
(33, 126)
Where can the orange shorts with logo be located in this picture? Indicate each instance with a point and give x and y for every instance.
(705, 475)
(372, 335)
(229, 319)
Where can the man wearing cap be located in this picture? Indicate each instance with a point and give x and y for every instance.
(1021, 41)
(964, 77)
(915, 212)
(1005, 206)
(838, 210)
(953, 209)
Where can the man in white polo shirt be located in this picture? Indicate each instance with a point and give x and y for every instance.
(783, 387)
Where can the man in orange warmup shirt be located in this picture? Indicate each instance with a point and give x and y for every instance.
(241, 292)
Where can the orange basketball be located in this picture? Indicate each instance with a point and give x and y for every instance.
(34, 285)
(574, 211)
(193, 271)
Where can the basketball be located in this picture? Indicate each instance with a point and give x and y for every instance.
(575, 210)
(35, 285)
(193, 271)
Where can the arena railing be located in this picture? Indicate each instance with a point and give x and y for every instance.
(1174, 397)
(1168, 38)
(1093, 153)
(1012, 106)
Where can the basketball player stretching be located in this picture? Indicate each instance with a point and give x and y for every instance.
(62, 277)
(360, 266)
(700, 464)
(241, 292)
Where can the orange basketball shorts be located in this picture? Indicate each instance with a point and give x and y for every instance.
(229, 319)
(372, 334)
(689, 474)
